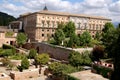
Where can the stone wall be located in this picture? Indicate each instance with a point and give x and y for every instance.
(56, 52)
(26, 74)
(3, 76)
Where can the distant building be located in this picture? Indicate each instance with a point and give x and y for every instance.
(7, 36)
(40, 26)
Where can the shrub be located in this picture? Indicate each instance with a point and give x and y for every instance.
(4, 46)
(103, 70)
(6, 52)
(9, 34)
(32, 53)
(42, 58)
(25, 63)
(17, 56)
(59, 69)
(76, 59)
(86, 58)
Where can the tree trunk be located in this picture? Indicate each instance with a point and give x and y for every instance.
(40, 68)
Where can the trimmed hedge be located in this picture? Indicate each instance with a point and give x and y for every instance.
(5, 46)
(104, 71)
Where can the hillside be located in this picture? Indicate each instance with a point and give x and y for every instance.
(5, 19)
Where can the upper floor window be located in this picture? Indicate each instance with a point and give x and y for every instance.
(79, 25)
(43, 23)
(85, 25)
(53, 23)
(48, 23)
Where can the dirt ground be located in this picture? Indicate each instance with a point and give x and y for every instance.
(88, 75)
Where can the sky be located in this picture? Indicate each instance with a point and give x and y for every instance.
(106, 8)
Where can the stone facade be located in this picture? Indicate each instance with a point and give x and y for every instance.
(40, 26)
(6, 39)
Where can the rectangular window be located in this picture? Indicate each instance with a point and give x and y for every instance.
(53, 23)
(79, 25)
(43, 23)
(48, 23)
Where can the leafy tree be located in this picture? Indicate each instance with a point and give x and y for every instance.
(76, 59)
(74, 41)
(42, 59)
(32, 53)
(69, 29)
(59, 70)
(61, 26)
(59, 36)
(25, 63)
(116, 57)
(108, 27)
(109, 35)
(98, 36)
(85, 38)
(86, 58)
(97, 53)
(21, 38)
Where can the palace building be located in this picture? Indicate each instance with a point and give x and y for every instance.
(40, 26)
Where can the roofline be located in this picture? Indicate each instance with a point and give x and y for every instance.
(69, 15)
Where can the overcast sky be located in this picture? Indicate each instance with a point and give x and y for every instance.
(105, 8)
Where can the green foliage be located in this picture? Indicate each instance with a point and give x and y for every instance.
(9, 34)
(76, 59)
(98, 36)
(21, 38)
(51, 41)
(109, 35)
(74, 41)
(103, 70)
(5, 19)
(5, 46)
(32, 53)
(85, 38)
(42, 58)
(69, 29)
(59, 69)
(86, 58)
(97, 53)
(116, 57)
(17, 56)
(6, 52)
(108, 27)
(20, 68)
(69, 77)
(61, 26)
(25, 63)
(59, 36)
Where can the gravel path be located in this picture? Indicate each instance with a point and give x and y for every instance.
(88, 75)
